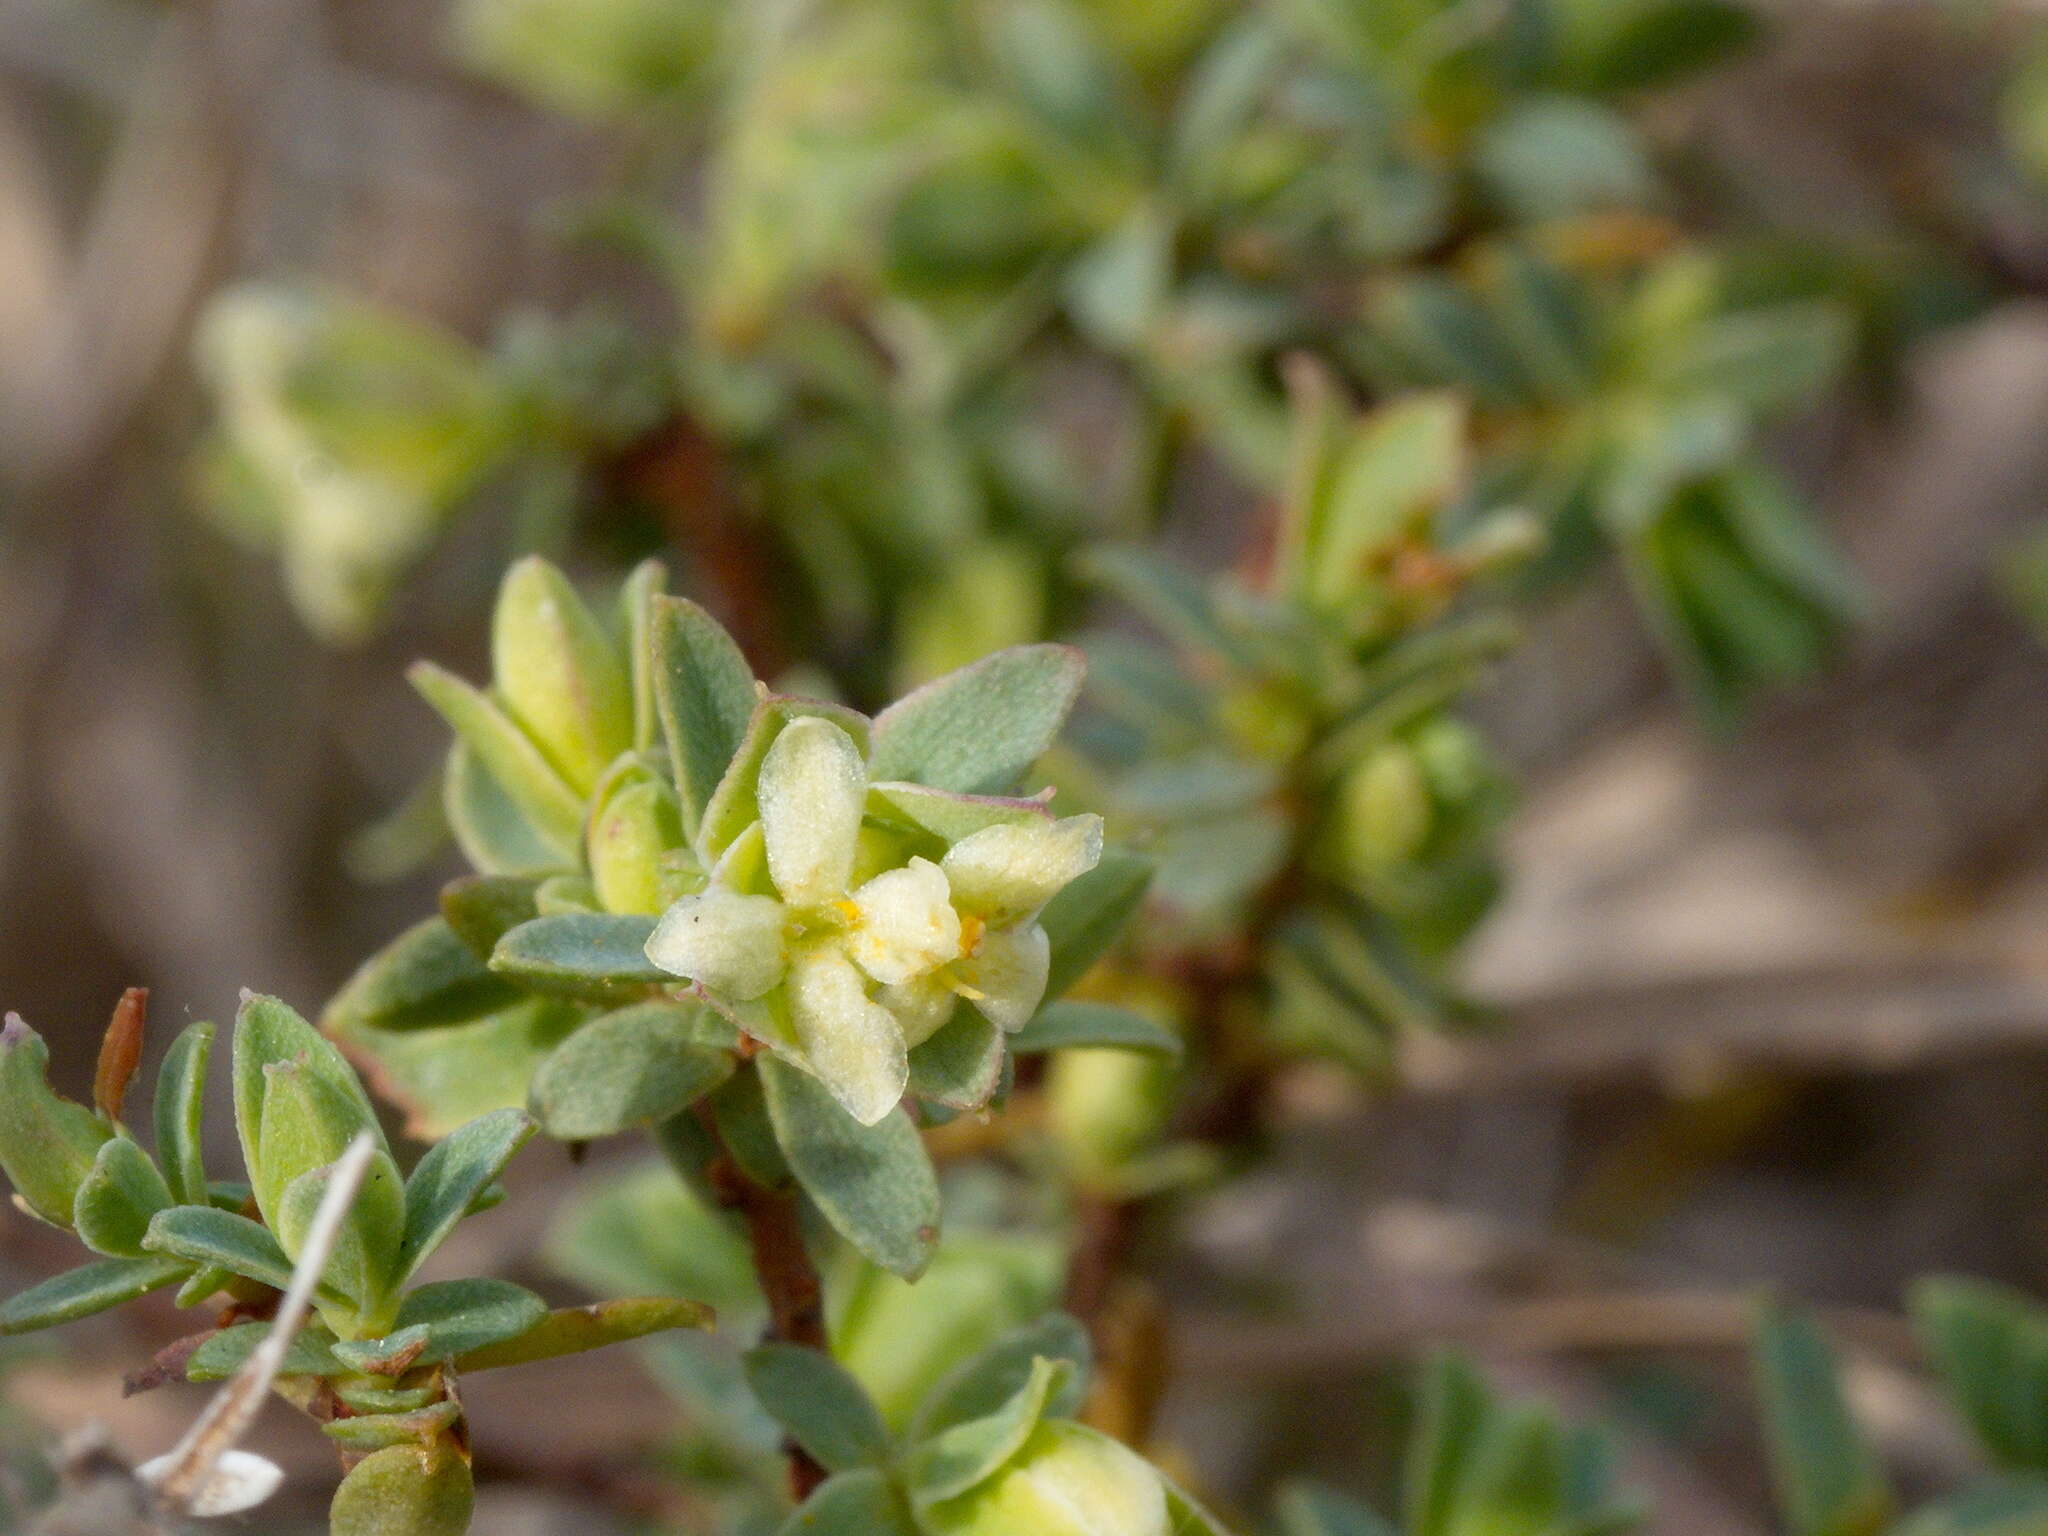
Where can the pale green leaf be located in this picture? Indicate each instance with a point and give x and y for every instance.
(88, 1289)
(980, 1386)
(581, 954)
(1827, 1481)
(449, 1179)
(977, 730)
(426, 977)
(572, 1330)
(857, 1503)
(117, 1199)
(201, 1235)
(705, 694)
(631, 1068)
(1059, 1026)
(875, 1184)
(1086, 918)
(180, 1103)
(824, 1409)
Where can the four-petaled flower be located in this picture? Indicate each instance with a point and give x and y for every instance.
(842, 968)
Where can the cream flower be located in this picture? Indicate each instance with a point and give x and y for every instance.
(1001, 878)
(846, 979)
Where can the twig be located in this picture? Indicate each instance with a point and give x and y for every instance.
(788, 1278)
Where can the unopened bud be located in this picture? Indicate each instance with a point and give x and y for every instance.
(406, 1490)
(1384, 811)
(628, 838)
(1068, 1480)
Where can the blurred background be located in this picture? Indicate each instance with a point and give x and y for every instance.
(1771, 984)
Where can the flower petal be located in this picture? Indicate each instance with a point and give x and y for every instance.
(1006, 974)
(729, 943)
(811, 790)
(1007, 872)
(851, 1042)
(907, 925)
(920, 1006)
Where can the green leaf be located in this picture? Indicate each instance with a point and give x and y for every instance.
(950, 1463)
(1555, 157)
(559, 674)
(180, 1105)
(705, 693)
(1058, 1026)
(88, 1289)
(366, 1246)
(948, 816)
(1514, 1478)
(307, 1124)
(374, 1431)
(1455, 1407)
(1086, 917)
(1991, 1345)
(552, 808)
(406, 1490)
(309, 1354)
(1118, 287)
(734, 806)
(1403, 462)
(824, 1409)
(977, 730)
(1186, 1516)
(456, 1317)
(448, 1180)
(1764, 359)
(493, 832)
(2006, 1507)
(482, 909)
(425, 978)
(572, 1330)
(117, 1199)
(202, 1235)
(1171, 599)
(47, 1143)
(270, 1034)
(960, 1064)
(1059, 69)
(1308, 1509)
(581, 954)
(981, 1385)
(632, 1068)
(875, 1184)
(740, 1111)
(857, 1503)
(444, 1078)
(1667, 40)
(1826, 1479)
(1225, 89)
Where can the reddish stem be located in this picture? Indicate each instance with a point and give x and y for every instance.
(788, 1279)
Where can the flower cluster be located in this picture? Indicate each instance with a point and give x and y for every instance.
(824, 934)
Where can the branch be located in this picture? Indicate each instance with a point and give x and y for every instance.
(788, 1279)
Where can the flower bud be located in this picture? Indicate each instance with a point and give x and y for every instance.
(47, 1142)
(559, 673)
(1068, 1480)
(1384, 811)
(1107, 1107)
(630, 833)
(406, 1490)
